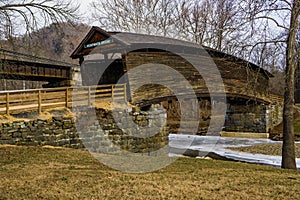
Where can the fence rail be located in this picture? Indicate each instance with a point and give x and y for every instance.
(42, 99)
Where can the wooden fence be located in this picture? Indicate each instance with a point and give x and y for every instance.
(42, 99)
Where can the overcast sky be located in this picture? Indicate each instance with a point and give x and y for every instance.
(84, 5)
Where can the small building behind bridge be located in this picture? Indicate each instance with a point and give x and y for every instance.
(50, 73)
(114, 57)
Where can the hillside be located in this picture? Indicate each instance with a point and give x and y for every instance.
(277, 132)
(56, 41)
(276, 83)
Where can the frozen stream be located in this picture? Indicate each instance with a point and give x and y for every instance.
(218, 146)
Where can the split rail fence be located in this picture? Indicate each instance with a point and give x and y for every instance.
(42, 99)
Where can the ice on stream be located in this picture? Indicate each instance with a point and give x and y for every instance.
(219, 145)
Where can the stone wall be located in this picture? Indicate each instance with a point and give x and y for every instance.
(274, 115)
(241, 116)
(246, 118)
(258, 118)
(56, 131)
(128, 129)
(123, 130)
(100, 135)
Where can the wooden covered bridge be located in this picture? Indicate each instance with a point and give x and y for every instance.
(19, 66)
(108, 57)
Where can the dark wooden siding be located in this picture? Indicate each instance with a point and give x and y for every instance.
(233, 74)
(134, 59)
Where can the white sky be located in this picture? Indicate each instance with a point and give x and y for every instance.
(84, 7)
(84, 4)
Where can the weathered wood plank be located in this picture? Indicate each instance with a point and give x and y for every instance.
(38, 100)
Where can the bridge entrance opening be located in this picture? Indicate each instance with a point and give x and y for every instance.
(112, 73)
(102, 72)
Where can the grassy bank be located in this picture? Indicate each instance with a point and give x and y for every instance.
(52, 173)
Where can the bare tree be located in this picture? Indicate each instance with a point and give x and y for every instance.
(288, 148)
(269, 15)
(225, 22)
(161, 18)
(143, 16)
(19, 16)
(23, 17)
(232, 26)
(192, 20)
(214, 23)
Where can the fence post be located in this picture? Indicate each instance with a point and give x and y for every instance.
(89, 96)
(67, 98)
(40, 101)
(7, 103)
(125, 93)
(112, 93)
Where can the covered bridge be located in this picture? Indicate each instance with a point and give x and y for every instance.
(20, 66)
(109, 57)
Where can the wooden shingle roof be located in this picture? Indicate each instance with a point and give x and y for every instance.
(124, 40)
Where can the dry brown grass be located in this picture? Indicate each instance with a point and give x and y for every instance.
(6, 118)
(45, 115)
(58, 173)
(107, 105)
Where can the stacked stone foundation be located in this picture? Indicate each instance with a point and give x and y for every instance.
(94, 129)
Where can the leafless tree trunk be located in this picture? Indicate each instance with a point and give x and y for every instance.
(144, 16)
(225, 22)
(192, 20)
(288, 148)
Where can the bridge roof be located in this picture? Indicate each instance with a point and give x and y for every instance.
(112, 41)
(17, 57)
(19, 66)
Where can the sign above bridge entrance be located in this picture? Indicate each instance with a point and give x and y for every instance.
(108, 41)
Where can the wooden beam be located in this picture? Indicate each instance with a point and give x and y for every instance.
(7, 103)
(67, 98)
(125, 93)
(89, 96)
(40, 101)
(112, 93)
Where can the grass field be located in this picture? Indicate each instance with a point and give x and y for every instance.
(57, 173)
